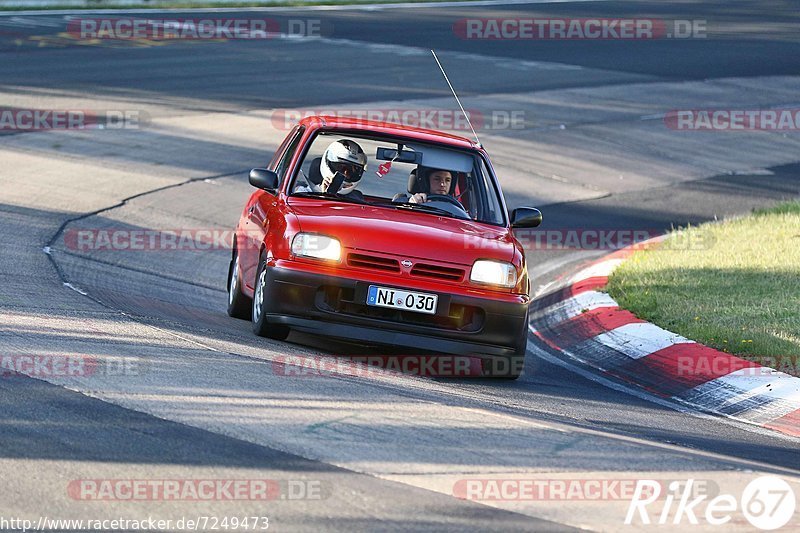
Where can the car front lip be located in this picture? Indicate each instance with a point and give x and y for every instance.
(298, 298)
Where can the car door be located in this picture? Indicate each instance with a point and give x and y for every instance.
(262, 202)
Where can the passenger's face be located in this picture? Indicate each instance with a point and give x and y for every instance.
(440, 182)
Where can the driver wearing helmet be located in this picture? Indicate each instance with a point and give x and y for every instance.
(343, 163)
(438, 181)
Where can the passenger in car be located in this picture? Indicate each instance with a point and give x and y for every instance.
(345, 158)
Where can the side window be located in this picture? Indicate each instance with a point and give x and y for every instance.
(489, 206)
(286, 158)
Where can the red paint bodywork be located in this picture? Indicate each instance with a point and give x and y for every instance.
(269, 221)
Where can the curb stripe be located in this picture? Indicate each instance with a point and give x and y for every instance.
(595, 331)
(640, 339)
(743, 390)
(559, 295)
(603, 269)
(609, 360)
(592, 323)
(572, 307)
(693, 364)
(789, 424)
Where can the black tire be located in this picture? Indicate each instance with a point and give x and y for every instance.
(261, 327)
(238, 304)
(509, 366)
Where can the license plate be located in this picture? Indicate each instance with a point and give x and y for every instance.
(405, 300)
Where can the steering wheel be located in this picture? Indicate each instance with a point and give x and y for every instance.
(445, 198)
(454, 206)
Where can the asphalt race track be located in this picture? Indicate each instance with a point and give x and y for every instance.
(591, 148)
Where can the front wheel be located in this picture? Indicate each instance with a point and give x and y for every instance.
(238, 304)
(261, 327)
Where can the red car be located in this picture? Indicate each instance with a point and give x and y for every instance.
(388, 234)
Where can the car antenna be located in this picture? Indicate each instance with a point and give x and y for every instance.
(456, 97)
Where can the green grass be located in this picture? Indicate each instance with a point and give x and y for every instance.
(188, 4)
(733, 285)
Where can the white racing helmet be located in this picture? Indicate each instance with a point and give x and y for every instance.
(347, 157)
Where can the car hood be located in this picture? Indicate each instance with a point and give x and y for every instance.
(405, 233)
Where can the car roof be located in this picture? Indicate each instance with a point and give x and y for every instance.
(386, 128)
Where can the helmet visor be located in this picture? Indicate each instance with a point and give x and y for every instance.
(352, 171)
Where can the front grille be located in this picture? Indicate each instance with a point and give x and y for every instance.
(424, 270)
(342, 300)
(373, 262)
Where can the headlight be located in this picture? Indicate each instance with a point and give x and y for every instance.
(316, 246)
(497, 273)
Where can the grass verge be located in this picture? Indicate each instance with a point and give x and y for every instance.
(733, 285)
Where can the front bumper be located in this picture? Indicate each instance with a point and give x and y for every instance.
(335, 306)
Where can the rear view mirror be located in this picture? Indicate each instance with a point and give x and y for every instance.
(264, 179)
(526, 217)
(403, 156)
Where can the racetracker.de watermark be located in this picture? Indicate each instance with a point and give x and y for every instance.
(438, 365)
(193, 490)
(780, 119)
(562, 489)
(527, 28)
(200, 240)
(163, 240)
(436, 119)
(23, 120)
(155, 240)
(724, 364)
(597, 239)
(61, 366)
(167, 29)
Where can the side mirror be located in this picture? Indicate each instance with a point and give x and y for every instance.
(264, 179)
(526, 217)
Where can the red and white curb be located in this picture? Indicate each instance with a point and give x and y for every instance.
(587, 325)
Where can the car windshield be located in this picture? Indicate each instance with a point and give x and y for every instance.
(453, 183)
